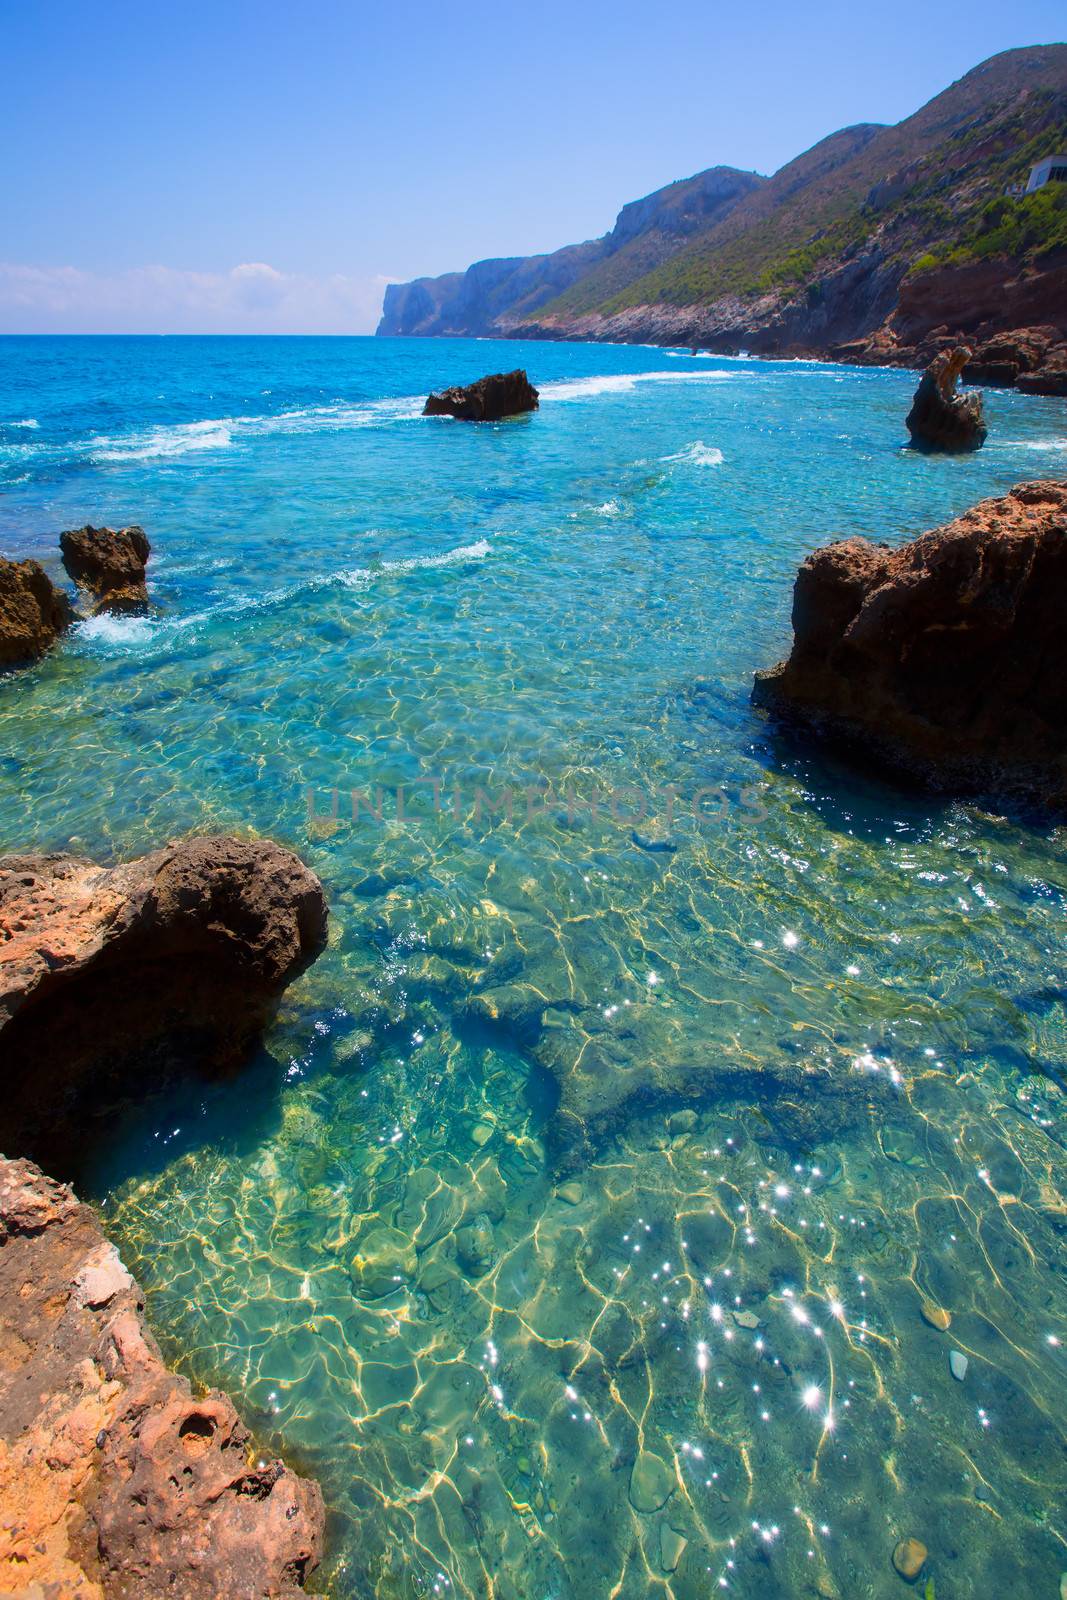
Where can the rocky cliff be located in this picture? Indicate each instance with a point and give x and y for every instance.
(872, 242)
(490, 294)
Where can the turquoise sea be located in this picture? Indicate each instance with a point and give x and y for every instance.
(518, 1233)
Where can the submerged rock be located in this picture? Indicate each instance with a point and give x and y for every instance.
(672, 1545)
(570, 1192)
(940, 418)
(109, 975)
(944, 659)
(958, 1364)
(476, 1246)
(384, 1261)
(114, 1480)
(936, 1316)
(908, 1557)
(501, 394)
(652, 1482)
(110, 564)
(33, 612)
(607, 1069)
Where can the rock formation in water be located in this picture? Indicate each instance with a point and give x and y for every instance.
(33, 612)
(940, 417)
(110, 975)
(500, 394)
(110, 565)
(115, 1482)
(947, 658)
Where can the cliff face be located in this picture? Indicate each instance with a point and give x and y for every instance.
(490, 294)
(845, 243)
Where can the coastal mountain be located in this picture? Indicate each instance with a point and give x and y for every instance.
(646, 234)
(864, 246)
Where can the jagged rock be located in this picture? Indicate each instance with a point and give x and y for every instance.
(1001, 360)
(114, 1480)
(941, 419)
(112, 975)
(944, 659)
(1050, 378)
(501, 394)
(33, 612)
(110, 565)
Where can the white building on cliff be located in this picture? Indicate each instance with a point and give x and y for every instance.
(1052, 170)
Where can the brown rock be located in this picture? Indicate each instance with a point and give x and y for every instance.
(945, 659)
(33, 612)
(908, 1558)
(941, 419)
(110, 564)
(501, 394)
(111, 975)
(1050, 378)
(936, 1316)
(114, 1480)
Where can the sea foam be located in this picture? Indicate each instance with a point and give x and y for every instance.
(121, 635)
(222, 433)
(697, 454)
(623, 382)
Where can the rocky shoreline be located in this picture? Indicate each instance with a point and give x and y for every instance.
(1013, 321)
(115, 1482)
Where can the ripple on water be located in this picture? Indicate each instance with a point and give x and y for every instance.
(369, 1238)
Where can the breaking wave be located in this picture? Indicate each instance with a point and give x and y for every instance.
(698, 454)
(123, 634)
(623, 382)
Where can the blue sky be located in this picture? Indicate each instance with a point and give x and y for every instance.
(268, 166)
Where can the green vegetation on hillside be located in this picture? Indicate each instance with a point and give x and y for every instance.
(926, 193)
(1021, 228)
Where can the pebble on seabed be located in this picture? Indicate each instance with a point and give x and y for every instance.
(671, 1547)
(936, 1316)
(651, 1482)
(957, 1364)
(908, 1557)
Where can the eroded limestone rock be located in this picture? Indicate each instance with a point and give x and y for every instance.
(110, 975)
(940, 418)
(109, 564)
(116, 1483)
(944, 660)
(33, 612)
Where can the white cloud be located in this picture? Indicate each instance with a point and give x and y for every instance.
(250, 298)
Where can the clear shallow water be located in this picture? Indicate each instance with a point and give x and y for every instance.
(366, 1235)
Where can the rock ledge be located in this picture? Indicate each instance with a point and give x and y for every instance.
(116, 1482)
